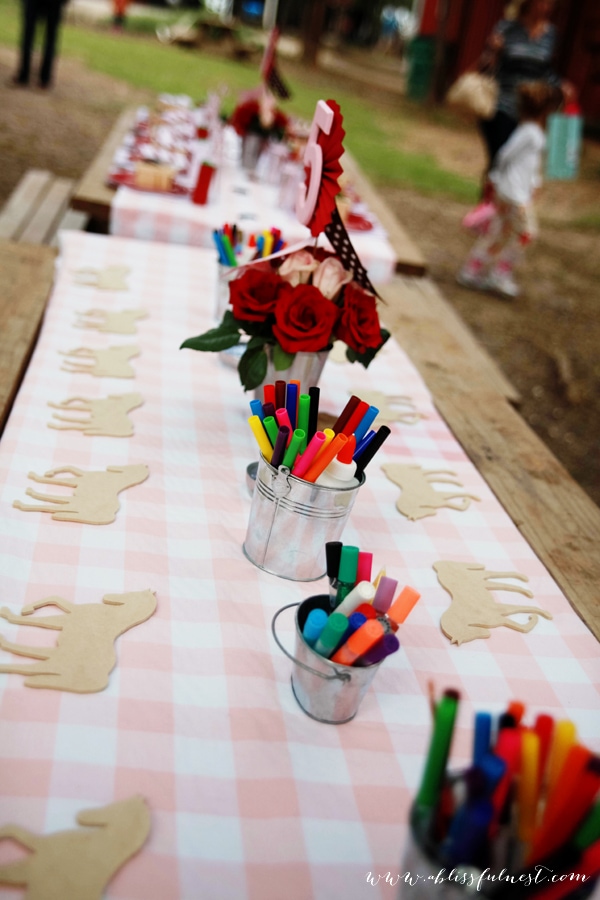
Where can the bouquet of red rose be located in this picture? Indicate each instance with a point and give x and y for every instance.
(304, 303)
(259, 116)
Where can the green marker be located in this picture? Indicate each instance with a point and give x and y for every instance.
(333, 633)
(303, 413)
(294, 447)
(589, 831)
(271, 427)
(437, 758)
(346, 572)
(231, 259)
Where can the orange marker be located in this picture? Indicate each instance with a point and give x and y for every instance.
(359, 642)
(402, 606)
(516, 709)
(326, 454)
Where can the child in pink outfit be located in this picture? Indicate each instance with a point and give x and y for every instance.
(516, 175)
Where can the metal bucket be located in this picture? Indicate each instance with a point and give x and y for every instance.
(325, 691)
(291, 520)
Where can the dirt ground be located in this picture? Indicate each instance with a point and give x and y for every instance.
(547, 342)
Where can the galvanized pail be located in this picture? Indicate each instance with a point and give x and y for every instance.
(291, 520)
(326, 692)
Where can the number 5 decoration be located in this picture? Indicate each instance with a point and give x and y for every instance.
(316, 197)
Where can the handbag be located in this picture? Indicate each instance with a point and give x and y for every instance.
(474, 94)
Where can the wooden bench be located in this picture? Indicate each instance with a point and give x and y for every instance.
(38, 208)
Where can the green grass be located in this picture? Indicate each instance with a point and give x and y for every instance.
(373, 136)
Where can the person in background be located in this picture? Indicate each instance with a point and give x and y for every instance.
(520, 49)
(49, 11)
(515, 176)
(119, 13)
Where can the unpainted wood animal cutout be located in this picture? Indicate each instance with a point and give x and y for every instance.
(107, 416)
(94, 500)
(78, 864)
(392, 408)
(110, 278)
(84, 654)
(113, 362)
(418, 498)
(121, 321)
(473, 610)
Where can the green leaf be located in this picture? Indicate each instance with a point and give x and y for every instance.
(252, 368)
(369, 355)
(281, 359)
(213, 341)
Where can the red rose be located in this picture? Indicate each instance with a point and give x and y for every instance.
(255, 294)
(359, 326)
(244, 116)
(304, 320)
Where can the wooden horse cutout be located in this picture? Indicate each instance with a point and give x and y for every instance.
(78, 864)
(110, 278)
(119, 322)
(390, 408)
(418, 498)
(107, 416)
(94, 500)
(113, 362)
(473, 610)
(84, 654)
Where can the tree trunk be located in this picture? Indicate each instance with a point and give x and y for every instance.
(312, 28)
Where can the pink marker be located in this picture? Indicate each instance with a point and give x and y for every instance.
(385, 594)
(365, 560)
(283, 418)
(303, 462)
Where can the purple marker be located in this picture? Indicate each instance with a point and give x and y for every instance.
(385, 646)
(268, 410)
(280, 446)
(384, 594)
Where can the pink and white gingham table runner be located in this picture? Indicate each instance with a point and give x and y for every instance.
(252, 205)
(250, 798)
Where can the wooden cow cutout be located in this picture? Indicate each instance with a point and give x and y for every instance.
(473, 610)
(94, 500)
(418, 498)
(110, 278)
(113, 362)
(118, 322)
(107, 416)
(84, 654)
(78, 864)
(389, 406)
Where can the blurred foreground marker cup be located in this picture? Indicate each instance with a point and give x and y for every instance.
(325, 691)
(291, 520)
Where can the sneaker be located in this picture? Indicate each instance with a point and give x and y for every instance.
(503, 283)
(468, 278)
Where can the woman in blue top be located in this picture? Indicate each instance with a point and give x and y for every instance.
(519, 50)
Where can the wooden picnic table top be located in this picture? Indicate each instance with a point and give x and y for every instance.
(93, 197)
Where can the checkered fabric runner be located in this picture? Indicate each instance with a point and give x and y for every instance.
(250, 798)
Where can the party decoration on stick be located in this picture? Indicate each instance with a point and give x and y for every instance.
(418, 498)
(113, 362)
(119, 322)
(474, 610)
(107, 416)
(94, 500)
(268, 69)
(316, 198)
(111, 278)
(78, 863)
(83, 656)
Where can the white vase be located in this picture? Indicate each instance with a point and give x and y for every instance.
(305, 368)
(252, 147)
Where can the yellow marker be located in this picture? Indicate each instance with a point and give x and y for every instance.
(268, 245)
(527, 791)
(329, 436)
(261, 437)
(380, 575)
(565, 735)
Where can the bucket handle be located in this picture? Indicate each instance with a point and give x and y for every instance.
(338, 676)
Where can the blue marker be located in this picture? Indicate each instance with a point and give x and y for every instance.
(365, 423)
(354, 622)
(257, 409)
(481, 736)
(291, 402)
(364, 443)
(314, 625)
(220, 249)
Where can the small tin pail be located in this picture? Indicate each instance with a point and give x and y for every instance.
(325, 691)
(291, 520)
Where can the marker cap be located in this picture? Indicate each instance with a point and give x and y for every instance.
(359, 642)
(315, 622)
(385, 593)
(402, 605)
(363, 592)
(332, 634)
(348, 564)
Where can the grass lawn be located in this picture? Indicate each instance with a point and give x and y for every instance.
(374, 125)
